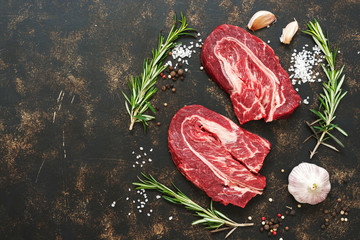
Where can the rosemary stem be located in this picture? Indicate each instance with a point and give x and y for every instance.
(313, 152)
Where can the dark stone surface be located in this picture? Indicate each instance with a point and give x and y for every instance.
(59, 178)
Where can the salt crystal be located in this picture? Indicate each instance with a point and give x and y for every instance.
(150, 160)
(170, 218)
(129, 189)
(127, 198)
(141, 165)
(158, 196)
(268, 41)
(150, 210)
(148, 214)
(151, 150)
(133, 165)
(141, 148)
(140, 211)
(129, 214)
(133, 152)
(113, 204)
(198, 34)
(145, 154)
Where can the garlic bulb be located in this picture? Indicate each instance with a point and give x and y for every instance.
(260, 20)
(289, 32)
(309, 183)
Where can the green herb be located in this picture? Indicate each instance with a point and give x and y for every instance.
(331, 96)
(142, 87)
(211, 218)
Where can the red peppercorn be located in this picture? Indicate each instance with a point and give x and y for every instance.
(263, 218)
(163, 76)
(274, 233)
(279, 215)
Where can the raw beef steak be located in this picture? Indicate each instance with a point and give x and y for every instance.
(247, 69)
(217, 155)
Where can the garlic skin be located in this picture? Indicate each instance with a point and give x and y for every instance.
(289, 32)
(309, 183)
(260, 20)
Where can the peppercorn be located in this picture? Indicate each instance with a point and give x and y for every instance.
(177, 75)
(164, 76)
(292, 212)
(286, 212)
(286, 228)
(346, 213)
(167, 86)
(266, 227)
(326, 219)
(163, 88)
(263, 218)
(344, 208)
(158, 123)
(180, 72)
(274, 233)
(278, 215)
(173, 90)
(172, 74)
(339, 199)
(270, 223)
(261, 229)
(269, 234)
(333, 214)
(266, 221)
(165, 104)
(170, 53)
(182, 78)
(271, 220)
(323, 226)
(326, 211)
(174, 79)
(171, 67)
(276, 226)
(180, 64)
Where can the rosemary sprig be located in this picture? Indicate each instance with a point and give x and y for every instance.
(142, 87)
(332, 93)
(211, 218)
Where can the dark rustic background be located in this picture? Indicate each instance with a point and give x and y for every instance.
(59, 179)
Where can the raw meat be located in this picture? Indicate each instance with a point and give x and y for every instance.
(247, 69)
(217, 155)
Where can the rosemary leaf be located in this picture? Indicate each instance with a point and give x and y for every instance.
(210, 218)
(142, 88)
(332, 92)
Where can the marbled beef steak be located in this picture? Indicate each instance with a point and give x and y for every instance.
(247, 69)
(217, 155)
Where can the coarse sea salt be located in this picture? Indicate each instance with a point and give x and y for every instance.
(305, 65)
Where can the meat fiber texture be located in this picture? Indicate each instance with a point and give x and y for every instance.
(217, 155)
(248, 69)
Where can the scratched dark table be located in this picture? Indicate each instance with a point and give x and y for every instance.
(66, 162)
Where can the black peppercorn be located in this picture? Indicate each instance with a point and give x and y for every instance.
(292, 212)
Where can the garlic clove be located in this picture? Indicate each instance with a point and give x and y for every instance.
(309, 183)
(260, 20)
(289, 32)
